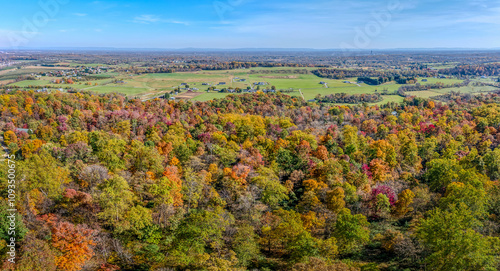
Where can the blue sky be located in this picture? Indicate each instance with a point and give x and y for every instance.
(361, 24)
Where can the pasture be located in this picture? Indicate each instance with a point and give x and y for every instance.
(288, 80)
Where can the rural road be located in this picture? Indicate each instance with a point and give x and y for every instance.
(302, 94)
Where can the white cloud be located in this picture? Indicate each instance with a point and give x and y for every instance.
(148, 19)
(177, 22)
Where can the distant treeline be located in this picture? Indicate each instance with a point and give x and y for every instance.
(33, 87)
(349, 98)
(295, 71)
(418, 87)
(454, 96)
(473, 70)
(458, 97)
(381, 80)
(389, 74)
(188, 67)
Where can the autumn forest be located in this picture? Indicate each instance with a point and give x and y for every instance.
(251, 182)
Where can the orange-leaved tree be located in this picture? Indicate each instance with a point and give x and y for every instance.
(74, 242)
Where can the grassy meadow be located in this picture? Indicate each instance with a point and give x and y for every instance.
(149, 85)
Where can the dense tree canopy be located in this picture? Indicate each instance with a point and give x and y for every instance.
(257, 182)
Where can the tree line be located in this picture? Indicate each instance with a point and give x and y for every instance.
(387, 75)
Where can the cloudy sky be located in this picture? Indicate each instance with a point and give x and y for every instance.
(362, 24)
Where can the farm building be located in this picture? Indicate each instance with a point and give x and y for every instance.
(24, 130)
(42, 90)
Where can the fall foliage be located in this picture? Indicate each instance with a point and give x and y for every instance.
(252, 182)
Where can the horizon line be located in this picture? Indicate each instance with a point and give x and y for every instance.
(49, 48)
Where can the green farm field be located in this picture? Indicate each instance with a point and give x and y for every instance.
(292, 83)
(47, 81)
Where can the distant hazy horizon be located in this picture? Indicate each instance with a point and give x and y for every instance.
(194, 49)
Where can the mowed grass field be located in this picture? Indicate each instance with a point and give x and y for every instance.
(47, 81)
(151, 85)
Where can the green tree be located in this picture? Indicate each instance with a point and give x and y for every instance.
(192, 187)
(137, 220)
(43, 172)
(246, 246)
(441, 172)
(335, 199)
(454, 244)
(409, 150)
(19, 229)
(142, 158)
(427, 149)
(198, 234)
(284, 230)
(492, 163)
(302, 247)
(350, 135)
(273, 192)
(110, 151)
(116, 200)
(351, 231)
(473, 197)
